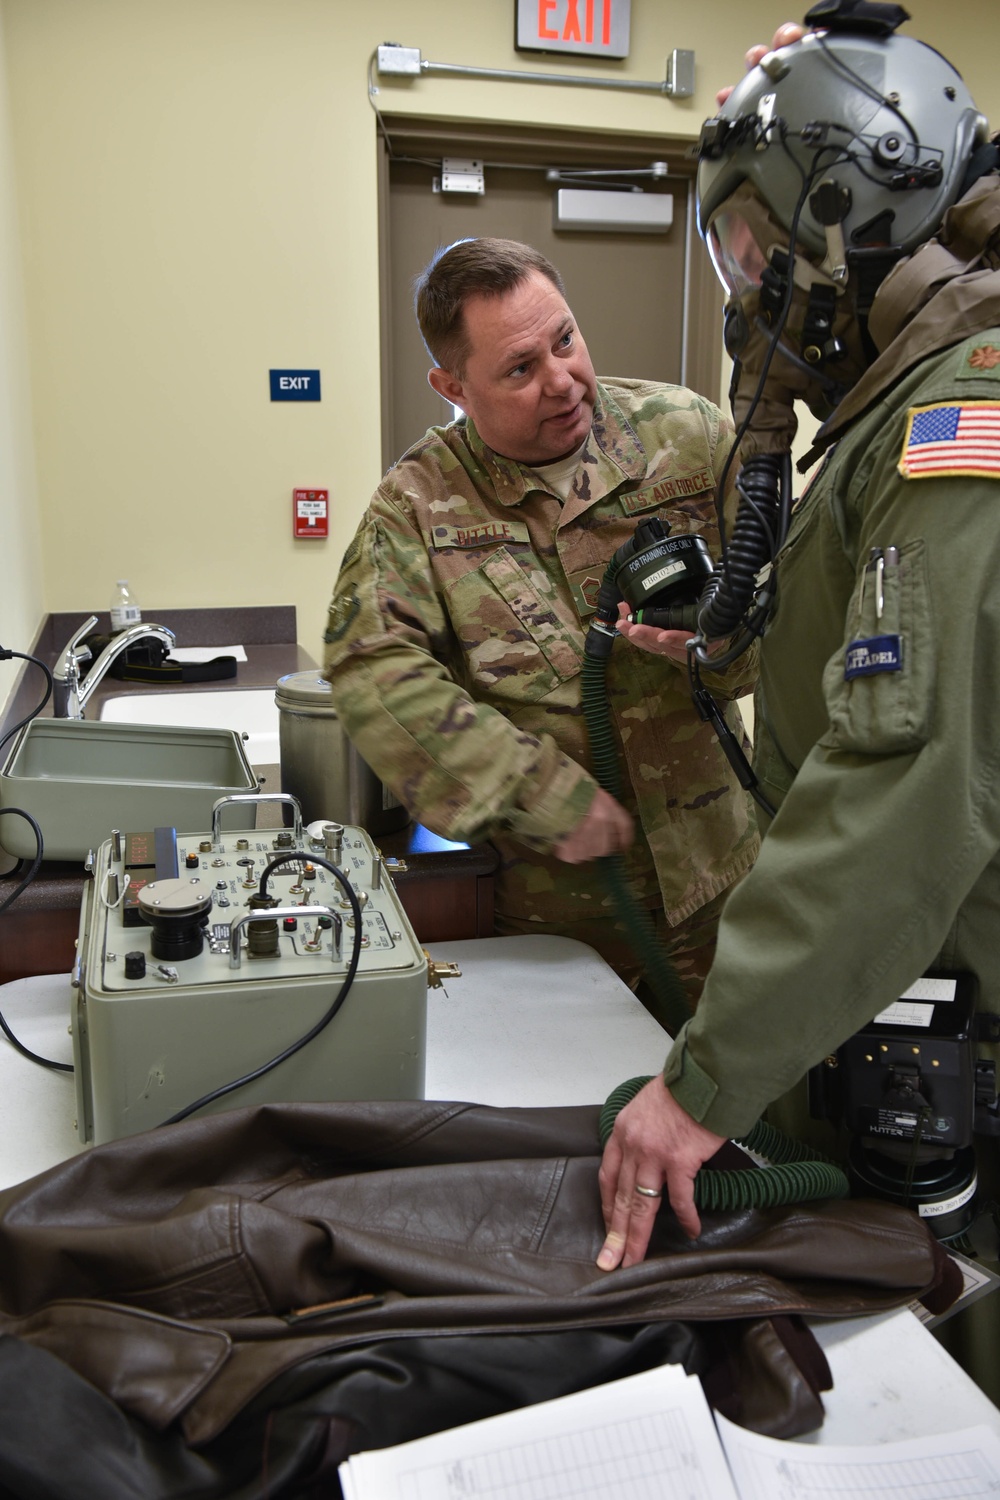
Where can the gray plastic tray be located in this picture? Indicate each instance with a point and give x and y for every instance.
(79, 780)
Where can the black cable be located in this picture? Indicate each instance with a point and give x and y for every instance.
(709, 710)
(762, 517)
(36, 862)
(339, 998)
(6, 655)
(700, 647)
(44, 1062)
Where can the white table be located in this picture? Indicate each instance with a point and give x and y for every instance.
(535, 1020)
(532, 1021)
(37, 1106)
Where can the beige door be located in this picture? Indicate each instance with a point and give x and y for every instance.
(648, 305)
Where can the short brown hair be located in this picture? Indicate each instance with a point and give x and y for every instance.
(484, 267)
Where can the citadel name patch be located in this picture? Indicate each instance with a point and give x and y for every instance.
(879, 653)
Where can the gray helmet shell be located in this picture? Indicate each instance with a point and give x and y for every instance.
(877, 112)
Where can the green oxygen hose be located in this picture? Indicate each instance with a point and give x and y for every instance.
(797, 1174)
(660, 973)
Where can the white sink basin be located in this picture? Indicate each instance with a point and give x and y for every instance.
(252, 712)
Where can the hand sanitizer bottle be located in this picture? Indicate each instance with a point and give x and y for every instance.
(124, 609)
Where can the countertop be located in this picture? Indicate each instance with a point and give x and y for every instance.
(268, 636)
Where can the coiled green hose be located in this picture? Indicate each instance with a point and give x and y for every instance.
(660, 973)
(796, 1173)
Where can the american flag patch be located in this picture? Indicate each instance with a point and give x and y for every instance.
(955, 437)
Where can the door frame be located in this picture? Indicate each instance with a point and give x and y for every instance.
(409, 135)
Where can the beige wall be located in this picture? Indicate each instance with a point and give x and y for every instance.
(21, 581)
(197, 201)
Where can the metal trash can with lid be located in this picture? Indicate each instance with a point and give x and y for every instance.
(319, 765)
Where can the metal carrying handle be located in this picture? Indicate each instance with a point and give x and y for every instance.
(256, 797)
(277, 914)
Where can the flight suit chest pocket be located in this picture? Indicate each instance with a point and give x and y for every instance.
(506, 618)
(879, 686)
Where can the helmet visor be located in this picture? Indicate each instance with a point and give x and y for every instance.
(738, 259)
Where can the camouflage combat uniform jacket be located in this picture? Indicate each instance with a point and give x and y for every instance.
(455, 646)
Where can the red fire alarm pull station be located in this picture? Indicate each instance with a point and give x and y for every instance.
(311, 513)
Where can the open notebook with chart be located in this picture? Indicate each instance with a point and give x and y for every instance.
(653, 1437)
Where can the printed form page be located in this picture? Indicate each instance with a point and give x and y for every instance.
(953, 1466)
(648, 1436)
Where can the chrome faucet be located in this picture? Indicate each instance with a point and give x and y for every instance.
(69, 694)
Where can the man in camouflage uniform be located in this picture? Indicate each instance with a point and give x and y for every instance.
(456, 631)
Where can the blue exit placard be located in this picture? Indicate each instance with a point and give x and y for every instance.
(295, 385)
(593, 28)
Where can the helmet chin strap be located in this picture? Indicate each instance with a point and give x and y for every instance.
(833, 390)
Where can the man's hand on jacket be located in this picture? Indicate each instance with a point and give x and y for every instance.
(654, 1143)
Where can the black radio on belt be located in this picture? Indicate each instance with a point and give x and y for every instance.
(911, 1091)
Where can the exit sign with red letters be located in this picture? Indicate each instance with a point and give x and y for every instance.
(597, 28)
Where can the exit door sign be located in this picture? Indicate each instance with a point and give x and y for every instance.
(294, 385)
(597, 28)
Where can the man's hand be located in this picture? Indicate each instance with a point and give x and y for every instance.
(787, 33)
(654, 1141)
(605, 828)
(672, 643)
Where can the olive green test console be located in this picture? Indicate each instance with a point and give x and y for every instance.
(204, 956)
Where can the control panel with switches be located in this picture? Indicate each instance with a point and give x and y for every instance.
(216, 970)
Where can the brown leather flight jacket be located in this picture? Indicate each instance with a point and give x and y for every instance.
(182, 1271)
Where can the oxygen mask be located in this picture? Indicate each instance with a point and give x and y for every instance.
(791, 327)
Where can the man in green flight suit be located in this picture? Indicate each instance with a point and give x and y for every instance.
(850, 194)
(456, 632)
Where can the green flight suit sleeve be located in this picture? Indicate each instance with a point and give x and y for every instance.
(893, 815)
(460, 766)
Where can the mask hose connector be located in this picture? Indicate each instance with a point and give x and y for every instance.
(755, 539)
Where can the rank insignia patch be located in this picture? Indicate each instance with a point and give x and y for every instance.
(954, 437)
(985, 357)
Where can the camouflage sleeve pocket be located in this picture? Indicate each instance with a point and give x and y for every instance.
(515, 644)
(879, 686)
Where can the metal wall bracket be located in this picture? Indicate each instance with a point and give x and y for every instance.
(460, 175)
